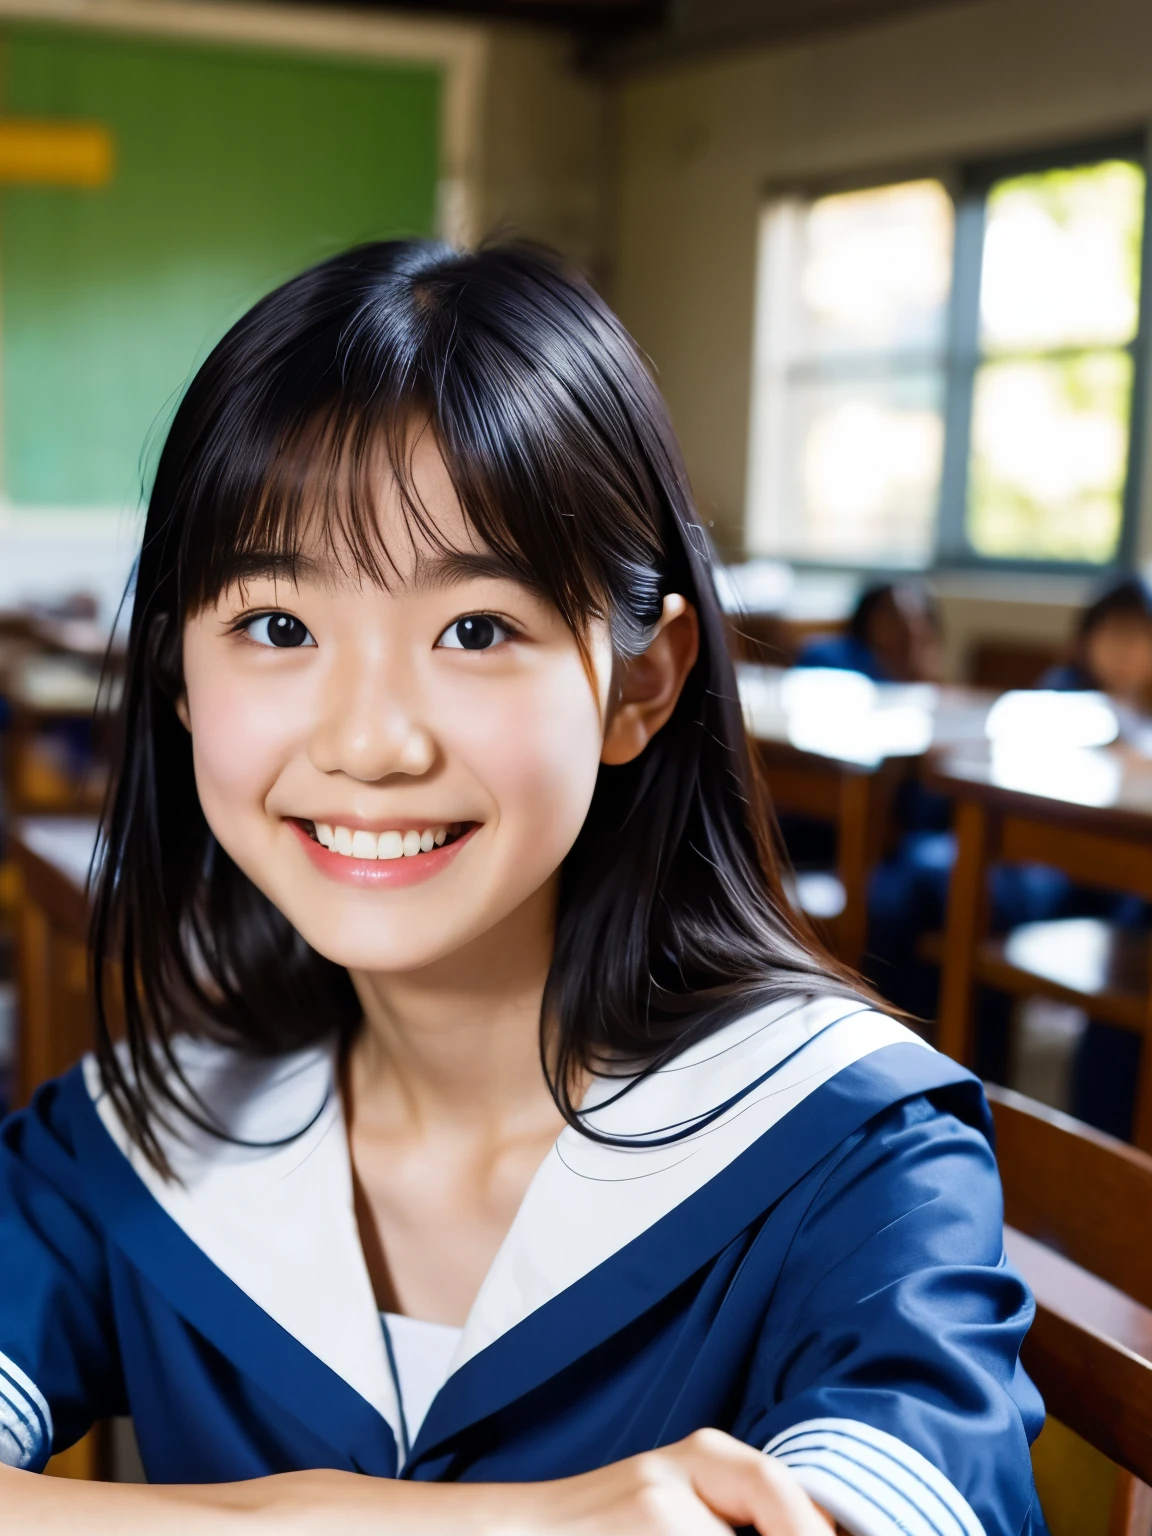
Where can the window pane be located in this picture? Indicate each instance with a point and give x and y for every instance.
(851, 329)
(1062, 258)
(858, 471)
(1049, 456)
(874, 270)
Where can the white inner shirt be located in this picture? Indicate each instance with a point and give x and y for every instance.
(419, 1355)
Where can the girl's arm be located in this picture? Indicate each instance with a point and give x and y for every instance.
(888, 1373)
(703, 1486)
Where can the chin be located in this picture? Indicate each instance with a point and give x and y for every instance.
(367, 952)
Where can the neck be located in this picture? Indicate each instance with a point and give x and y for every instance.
(457, 1042)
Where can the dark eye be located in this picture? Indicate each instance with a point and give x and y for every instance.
(278, 629)
(477, 632)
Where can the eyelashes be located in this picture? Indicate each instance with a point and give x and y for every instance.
(277, 630)
(474, 632)
(281, 631)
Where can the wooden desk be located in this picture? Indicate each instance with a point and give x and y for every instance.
(1086, 812)
(84, 639)
(836, 747)
(44, 691)
(54, 1009)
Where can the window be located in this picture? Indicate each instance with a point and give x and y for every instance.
(951, 377)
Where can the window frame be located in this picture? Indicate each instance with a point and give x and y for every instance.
(972, 185)
(969, 182)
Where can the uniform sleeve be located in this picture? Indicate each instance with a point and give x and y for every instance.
(888, 1377)
(59, 1369)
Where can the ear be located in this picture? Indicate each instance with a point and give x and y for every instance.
(180, 704)
(647, 687)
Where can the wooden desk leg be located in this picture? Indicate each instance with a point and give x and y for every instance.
(967, 919)
(854, 841)
(1142, 1119)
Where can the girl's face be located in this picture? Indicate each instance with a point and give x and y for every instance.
(1119, 656)
(401, 771)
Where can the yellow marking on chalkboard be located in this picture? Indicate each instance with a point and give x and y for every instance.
(35, 153)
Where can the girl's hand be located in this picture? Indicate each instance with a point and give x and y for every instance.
(706, 1485)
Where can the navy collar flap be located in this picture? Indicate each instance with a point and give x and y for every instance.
(291, 1375)
(654, 1264)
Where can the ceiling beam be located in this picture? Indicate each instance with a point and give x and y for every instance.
(698, 27)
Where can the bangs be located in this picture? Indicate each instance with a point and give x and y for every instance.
(307, 439)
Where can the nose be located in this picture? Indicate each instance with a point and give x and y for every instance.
(367, 726)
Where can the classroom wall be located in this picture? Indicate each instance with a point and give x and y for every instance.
(546, 148)
(700, 140)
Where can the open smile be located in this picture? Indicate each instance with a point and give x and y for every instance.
(392, 857)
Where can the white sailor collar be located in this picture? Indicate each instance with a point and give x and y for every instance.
(276, 1216)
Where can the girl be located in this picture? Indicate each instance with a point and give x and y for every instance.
(893, 636)
(1112, 647)
(483, 1122)
(1112, 653)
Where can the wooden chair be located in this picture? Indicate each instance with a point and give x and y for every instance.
(1079, 960)
(54, 996)
(1076, 1211)
(55, 1013)
(49, 688)
(1004, 664)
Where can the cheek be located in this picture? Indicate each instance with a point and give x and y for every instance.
(537, 750)
(240, 739)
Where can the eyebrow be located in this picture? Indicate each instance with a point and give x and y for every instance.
(274, 565)
(452, 567)
(430, 572)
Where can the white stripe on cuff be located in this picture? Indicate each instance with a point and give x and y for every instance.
(871, 1482)
(25, 1418)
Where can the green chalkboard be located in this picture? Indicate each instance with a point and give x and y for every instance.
(233, 170)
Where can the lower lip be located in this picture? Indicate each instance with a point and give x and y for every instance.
(377, 873)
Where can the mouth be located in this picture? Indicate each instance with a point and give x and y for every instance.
(381, 859)
(394, 843)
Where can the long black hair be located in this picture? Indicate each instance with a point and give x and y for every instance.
(672, 918)
(1127, 597)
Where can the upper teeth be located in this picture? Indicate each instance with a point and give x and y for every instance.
(359, 844)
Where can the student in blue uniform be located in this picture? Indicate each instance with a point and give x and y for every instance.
(1112, 649)
(487, 1148)
(1112, 654)
(893, 636)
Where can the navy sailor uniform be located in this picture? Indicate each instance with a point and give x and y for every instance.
(795, 1236)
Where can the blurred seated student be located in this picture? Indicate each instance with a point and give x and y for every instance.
(893, 636)
(1112, 652)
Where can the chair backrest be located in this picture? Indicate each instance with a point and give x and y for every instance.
(1078, 1206)
(1010, 663)
(1077, 1190)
